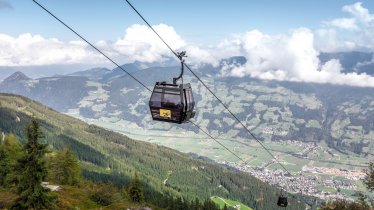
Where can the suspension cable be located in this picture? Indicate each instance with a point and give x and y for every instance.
(202, 82)
(89, 43)
(120, 67)
(93, 46)
(233, 153)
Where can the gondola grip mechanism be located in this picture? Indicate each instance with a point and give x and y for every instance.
(180, 55)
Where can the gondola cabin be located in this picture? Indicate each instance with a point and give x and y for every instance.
(282, 201)
(172, 102)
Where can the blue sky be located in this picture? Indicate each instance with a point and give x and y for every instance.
(201, 22)
(281, 40)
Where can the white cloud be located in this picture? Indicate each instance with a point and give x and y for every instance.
(343, 23)
(355, 32)
(290, 57)
(141, 44)
(197, 55)
(294, 56)
(283, 57)
(33, 50)
(359, 12)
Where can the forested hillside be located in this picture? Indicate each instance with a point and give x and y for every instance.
(335, 115)
(108, 156)
(31, 177)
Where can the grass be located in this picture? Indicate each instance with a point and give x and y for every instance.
(328, 189)
(230, 203)
(76, 198)
(72, 198)
(6, 198)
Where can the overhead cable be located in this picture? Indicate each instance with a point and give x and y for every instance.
(93, 46)
(202, 82)
(89, 43)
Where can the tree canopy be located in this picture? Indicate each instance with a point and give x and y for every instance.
(136, 190)
(33, 171)
(64, 168)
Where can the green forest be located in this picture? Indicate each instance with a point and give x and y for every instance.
(25, 167)
(97, 168)
(106, 156)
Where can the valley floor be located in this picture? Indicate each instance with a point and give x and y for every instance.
(317, 170)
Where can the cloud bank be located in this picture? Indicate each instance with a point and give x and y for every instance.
(34, 50)
(139, 43)
(292, 56)
(354, 32)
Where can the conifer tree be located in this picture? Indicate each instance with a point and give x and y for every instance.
(135, 190)
(13, 152)
(4, 166)
(33, 171)
(179, 203)
(197, 204)
(369, 178)
(64, 168)
(225, 207)
(209, 205)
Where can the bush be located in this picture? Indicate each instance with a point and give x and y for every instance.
(106, 195)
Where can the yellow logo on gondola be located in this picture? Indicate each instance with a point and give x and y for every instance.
(165, 113)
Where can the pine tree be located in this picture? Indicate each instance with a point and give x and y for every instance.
(4, 165)
(64, 168)
(225, 207)
(197, 204)
(369, 178)
(33, 170)
(135, 190)
(209, 205)
(13, 152)
(179, 204)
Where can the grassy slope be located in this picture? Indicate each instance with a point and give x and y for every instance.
(229, 203)
(119, 155)
(72, 198)
(6, 198)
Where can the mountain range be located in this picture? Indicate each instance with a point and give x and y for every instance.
(109, 156)
(340, 116)
(303, 124)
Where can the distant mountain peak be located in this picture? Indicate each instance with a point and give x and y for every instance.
(17, 76)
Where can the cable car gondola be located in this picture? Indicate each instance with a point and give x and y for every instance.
(172, 102)
(282, 201)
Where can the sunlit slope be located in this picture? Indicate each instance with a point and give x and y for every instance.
(116, 157)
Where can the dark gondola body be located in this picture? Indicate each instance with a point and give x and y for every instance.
(172, 103)
(282, 201)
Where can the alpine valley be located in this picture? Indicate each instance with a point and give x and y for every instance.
(322, 133)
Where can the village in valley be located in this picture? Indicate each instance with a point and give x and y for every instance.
(311, 180)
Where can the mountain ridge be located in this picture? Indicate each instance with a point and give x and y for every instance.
(113, 98)
(100, 149)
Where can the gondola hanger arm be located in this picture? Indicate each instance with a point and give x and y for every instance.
(181, 56)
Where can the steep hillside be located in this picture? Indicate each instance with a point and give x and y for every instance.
(110, 156)
(60, 92)
(339, 116)
(71, 197)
